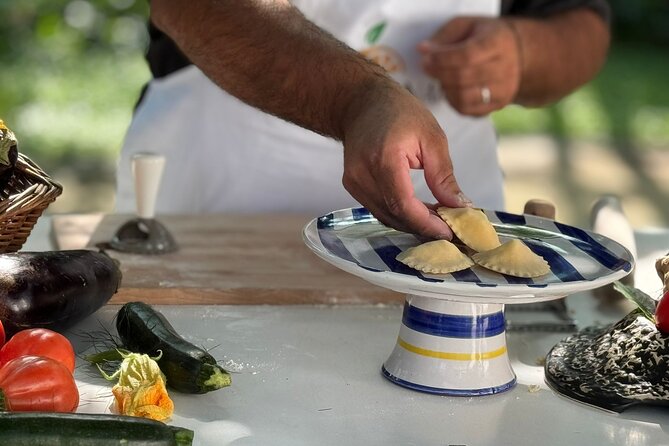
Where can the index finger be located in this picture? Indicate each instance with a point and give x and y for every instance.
(404, 208)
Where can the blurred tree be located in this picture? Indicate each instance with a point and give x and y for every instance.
(71, 71)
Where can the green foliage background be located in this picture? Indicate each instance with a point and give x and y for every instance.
(72, 71)
(628, 103)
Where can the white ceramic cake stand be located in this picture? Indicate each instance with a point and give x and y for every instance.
(452, 339)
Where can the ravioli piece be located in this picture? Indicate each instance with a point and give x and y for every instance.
(471, 226)
(513, 258)
(437, 257)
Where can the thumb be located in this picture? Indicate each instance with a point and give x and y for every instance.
(454, 31)
(440, 178)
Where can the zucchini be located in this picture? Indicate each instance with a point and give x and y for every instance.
(54, 289)
(75, 429)
(187, 368)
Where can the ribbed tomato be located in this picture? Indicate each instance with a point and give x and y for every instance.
(36, 383)
(2, 334)
(662, 313)
(39, 342)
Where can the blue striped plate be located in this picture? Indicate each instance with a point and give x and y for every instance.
(354, 241)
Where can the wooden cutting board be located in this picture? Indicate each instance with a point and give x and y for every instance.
(224, 259)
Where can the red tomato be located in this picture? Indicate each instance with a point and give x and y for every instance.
(35, 383)
(2, 335)
(662, 314)
(39, 342)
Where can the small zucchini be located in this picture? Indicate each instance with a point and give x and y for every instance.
(188, 368)
(75, 429)
(54, 289)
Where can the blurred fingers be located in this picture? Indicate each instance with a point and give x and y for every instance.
(474, 101)
(473, 51)
(455, 30)
(464, 76)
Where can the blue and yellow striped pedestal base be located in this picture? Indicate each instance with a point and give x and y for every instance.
(451, 348)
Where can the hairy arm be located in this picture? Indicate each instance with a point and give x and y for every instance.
(267, 54)
(558, 54)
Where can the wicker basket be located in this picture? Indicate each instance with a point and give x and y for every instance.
(26, 195)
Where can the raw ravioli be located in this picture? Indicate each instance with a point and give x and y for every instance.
(438, 257)
(513, 258)
(471, 226)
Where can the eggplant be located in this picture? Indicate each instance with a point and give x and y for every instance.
(54, 289)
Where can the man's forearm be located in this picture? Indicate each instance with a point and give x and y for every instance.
(269, 56)
(558, 54)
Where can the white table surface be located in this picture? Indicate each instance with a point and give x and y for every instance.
(310, 375)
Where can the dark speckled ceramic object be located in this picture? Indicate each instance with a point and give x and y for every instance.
(614, 367)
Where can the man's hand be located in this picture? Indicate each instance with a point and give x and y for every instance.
(387, 133)
(484, 64)
(477, 61)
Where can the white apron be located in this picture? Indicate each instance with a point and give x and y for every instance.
(223, 155)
